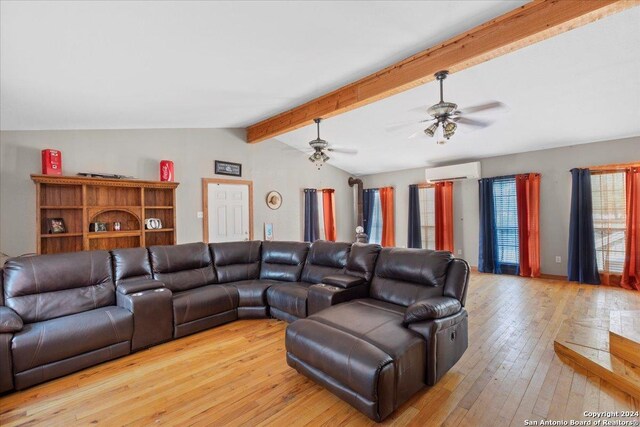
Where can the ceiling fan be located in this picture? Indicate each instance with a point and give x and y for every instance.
(446, 117)
(320, 147)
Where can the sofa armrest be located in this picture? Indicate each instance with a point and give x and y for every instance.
(431, 308)
(323, 296)
(446, 339)
(139, 285)
(152, 310)
(343, 281)
(10, 322)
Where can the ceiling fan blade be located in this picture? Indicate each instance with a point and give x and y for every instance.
(471, 122)
(289, 148)
(422, 110)
(401, 125)
(342, 150)
(416, 134)
(482, 107)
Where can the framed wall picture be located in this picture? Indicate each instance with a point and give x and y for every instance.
(56, 226)
(227, 168)
(97, 227)
(268, 232)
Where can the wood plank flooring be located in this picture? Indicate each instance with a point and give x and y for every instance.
(236, 374)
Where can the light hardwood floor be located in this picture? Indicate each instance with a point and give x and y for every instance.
(236, 374)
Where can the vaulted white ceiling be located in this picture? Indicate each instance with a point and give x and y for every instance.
(125, 65)
(579, 87)
(180, 64)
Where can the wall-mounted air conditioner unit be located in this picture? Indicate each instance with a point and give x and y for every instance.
(454, 172)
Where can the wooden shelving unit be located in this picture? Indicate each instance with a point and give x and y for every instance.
(79, 201)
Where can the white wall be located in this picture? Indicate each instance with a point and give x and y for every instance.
(271, 166)
(555, 194)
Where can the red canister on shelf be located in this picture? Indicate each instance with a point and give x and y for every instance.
(51, 162)
(166, 170)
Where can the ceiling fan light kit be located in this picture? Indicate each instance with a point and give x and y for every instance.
(431, 130)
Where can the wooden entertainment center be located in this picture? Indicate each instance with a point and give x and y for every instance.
(80, 201)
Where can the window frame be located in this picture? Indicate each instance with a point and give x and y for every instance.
(375, 230)
(601, 225)
(424, 212)
(510, 266)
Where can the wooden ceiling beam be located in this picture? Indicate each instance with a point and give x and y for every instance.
(524, 26)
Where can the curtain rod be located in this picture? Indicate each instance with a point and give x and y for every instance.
(379, 188)
(611, 167)
(511, 176)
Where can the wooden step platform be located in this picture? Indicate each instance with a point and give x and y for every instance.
(624, 335)
(586, 343)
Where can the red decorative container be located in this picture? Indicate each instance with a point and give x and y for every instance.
(166, 170)
(51, 162)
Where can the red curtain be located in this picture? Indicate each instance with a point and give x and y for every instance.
(329, 213)
(388, 219)
(528, 200)
(444, 216)
(631, 273)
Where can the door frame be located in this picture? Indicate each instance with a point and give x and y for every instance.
(205, 202)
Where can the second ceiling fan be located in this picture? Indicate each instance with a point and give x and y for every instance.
(320, 147)
(446, 117)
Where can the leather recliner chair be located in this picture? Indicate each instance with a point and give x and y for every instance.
(10, 323)
(288, 301)
(351, 284)
(199, 303)
(67, 303)
(237, 264)
(376, 352)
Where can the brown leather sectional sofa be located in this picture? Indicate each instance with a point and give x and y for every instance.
(371, 325)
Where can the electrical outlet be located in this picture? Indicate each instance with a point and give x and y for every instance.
(200, 215)
(459, 251)
(558, 259)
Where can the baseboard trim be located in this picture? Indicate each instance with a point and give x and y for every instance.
(553, 277)
(474, 269)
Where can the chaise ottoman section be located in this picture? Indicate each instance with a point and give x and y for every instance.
(350, 367)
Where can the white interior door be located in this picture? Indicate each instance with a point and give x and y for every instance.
(228, 212)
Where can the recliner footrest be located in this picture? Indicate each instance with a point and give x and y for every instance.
(356, 370)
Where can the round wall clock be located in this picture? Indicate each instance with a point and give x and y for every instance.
(274, 200)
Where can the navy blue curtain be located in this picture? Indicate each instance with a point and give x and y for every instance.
(487, 249)
(414, 238)
(311, 224)
(582, 246)
(367, 209)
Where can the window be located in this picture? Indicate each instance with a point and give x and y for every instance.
(376, 220)
(321, 233)
(427, 198)
(609, 220)
(506, 220)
